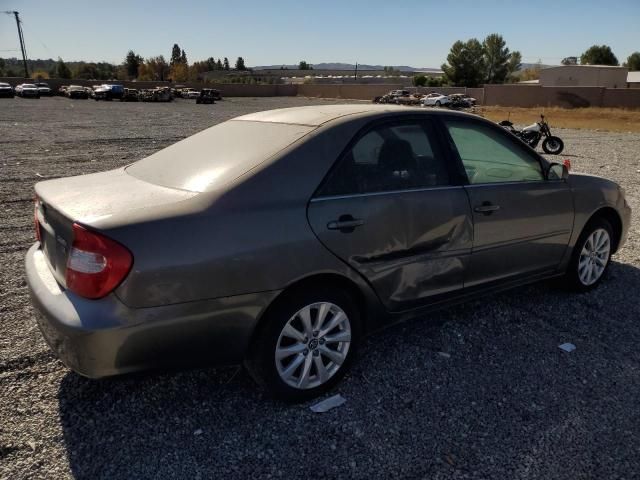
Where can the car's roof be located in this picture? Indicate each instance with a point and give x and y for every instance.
(318, 115)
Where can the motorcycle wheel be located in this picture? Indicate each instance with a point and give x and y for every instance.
(553, 145)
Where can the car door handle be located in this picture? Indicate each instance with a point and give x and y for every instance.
(486, 208)
(346, 224)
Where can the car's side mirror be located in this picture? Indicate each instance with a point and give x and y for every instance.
(557, 171)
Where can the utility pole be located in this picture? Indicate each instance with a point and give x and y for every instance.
(355, 76)
(22, 46)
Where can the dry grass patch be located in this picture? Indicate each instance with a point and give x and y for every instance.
(611, 119)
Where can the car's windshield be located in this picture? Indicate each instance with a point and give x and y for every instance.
(217, 155)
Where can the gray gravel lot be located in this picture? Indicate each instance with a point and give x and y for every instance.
(501, 402)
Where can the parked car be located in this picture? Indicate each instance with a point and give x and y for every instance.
(191, 94)
(435, 99)
(399, 93)
(6, 90)
(198, 254)
(186, 92)
(129, 95)
(77, 91)
(27, 90)
(461, 100)
(62, 90)
(108, 92)
(206, 96)
(44, 89)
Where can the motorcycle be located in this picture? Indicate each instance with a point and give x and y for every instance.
(532, 134)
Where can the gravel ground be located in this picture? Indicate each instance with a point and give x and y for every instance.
(479, 391)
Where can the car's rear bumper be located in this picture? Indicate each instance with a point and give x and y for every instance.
(104, 337)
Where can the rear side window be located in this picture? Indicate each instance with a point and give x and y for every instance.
(217, 155)
(491, 156)
(398, 156)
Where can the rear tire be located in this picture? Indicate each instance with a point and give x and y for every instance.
(553, 145)
(297, 359)
(591, 257)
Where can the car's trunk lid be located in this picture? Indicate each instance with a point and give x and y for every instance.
(88, 199)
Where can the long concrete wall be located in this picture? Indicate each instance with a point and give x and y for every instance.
(503, 95)
(567, 97)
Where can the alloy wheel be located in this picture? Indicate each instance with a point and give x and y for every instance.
(594, 257)
(313, 345)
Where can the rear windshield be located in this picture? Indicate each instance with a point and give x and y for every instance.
(216, 156)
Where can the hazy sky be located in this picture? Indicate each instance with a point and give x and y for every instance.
(409, 32)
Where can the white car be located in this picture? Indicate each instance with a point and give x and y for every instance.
(6, 90)
(436, 99)
(193, 94)
(27, 90)
(44, 89)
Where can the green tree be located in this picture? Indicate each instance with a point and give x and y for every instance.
(175, 54)
(598, 55)
(435, 81)
(465, 65)
(496, 58)
(515, 62)
(419, 80)
(218, 65)
(240, 64)
(303, 65)
(2, 65)
(226, 64)
(132, 63)
(62, 71)
(183, 58)
(633, 61)
(156, 68)
(569, 61)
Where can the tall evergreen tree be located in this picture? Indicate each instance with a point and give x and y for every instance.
(175, 54)
(465, 65)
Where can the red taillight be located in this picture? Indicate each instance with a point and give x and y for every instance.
(567, 163)
(96, 264)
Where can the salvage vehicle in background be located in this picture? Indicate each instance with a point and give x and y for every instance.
(435, 99)
(192, 93)
(27, 90)
(108, 92)
(132, 270)
(207, 95)
(158, 94)
(129, 95)
(6, 90)
(461, 100)
(532, 134)
(76, 92)
(44, 89)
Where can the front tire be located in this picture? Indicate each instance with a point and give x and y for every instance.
(306, 343)
(591, 256)
(553, 145)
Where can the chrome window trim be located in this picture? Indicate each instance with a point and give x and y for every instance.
(388, 192)
(528, 182)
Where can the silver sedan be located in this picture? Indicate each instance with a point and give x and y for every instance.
(281, 238)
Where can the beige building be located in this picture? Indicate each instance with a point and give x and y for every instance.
(633, 80)
(584, 76)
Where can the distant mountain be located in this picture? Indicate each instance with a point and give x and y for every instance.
(349, 66)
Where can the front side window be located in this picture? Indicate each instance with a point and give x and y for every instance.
(398, 156)
(489, 156)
